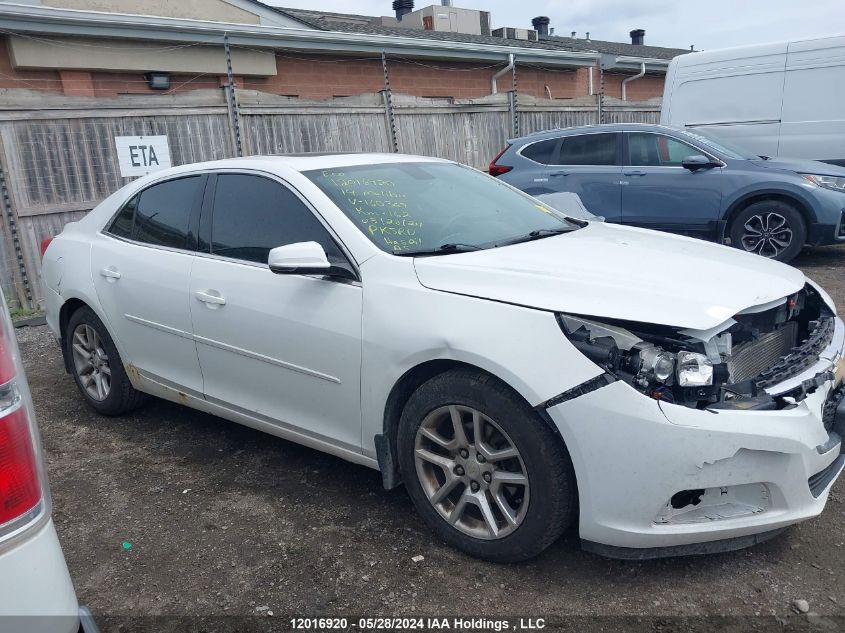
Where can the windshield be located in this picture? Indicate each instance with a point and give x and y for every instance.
(730, 151)
(408, 208)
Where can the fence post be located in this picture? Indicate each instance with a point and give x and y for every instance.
(232, 98)
(390, 118)
(24, 291)
(515, 103)
(600, 96)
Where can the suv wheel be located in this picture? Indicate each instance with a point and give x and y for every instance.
(769, 228)
(486, 474)
(96, 365)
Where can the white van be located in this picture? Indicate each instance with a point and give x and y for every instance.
(785, 99)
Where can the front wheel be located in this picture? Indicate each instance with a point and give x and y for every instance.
(485, 472)
(770, 228)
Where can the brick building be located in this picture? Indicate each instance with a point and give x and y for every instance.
(105, 48)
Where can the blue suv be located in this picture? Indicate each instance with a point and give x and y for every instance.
(684, 182)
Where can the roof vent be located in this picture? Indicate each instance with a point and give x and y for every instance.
(637, 36)
(402, 8)
(541, 25)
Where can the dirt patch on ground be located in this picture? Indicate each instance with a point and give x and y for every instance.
(173, 512)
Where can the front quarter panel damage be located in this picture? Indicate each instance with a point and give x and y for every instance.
(632, 454)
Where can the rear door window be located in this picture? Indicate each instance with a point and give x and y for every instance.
(163, 212)
(588, 149)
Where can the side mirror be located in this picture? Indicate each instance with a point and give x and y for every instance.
(302, 258)
(696, 162)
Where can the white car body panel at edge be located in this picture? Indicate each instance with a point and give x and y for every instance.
(36, 592)
(493, 309)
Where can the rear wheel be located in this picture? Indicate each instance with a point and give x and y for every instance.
(770, 228)
(486, 474)
(96, 365)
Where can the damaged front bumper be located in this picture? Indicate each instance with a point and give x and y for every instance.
(659, 479)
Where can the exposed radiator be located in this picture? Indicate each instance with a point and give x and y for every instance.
(750, 359)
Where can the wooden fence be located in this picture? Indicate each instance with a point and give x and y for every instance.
(58, 157)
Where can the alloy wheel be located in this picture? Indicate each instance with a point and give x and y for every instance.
(767, 234)
(91, 362)
(471, 472)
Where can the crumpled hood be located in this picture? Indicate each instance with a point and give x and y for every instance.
(617, 272)
(802, 166)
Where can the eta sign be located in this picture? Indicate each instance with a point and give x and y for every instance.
(141, 155)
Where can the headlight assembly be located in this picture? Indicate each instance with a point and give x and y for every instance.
(660, 364)
(694, 370)
(837, 183)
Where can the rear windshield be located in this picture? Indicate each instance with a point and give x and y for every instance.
(409, 207)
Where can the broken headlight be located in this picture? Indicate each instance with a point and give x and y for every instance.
(694, 370)
(660, 362)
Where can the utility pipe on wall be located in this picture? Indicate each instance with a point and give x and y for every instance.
(625, 81)
(591, 81)
(504, 70)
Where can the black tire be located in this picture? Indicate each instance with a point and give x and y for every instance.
(552, 500)
(774, 220)
(122, 396)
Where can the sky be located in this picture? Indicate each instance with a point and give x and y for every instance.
(673, 23)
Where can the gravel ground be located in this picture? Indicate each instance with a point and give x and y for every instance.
(225, 521)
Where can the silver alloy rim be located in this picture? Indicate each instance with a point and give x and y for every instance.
(471, 472)
(767, 234)
(91, 362)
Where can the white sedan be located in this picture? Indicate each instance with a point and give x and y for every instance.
(516, 368)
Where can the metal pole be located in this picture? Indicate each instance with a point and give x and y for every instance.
(392, 139)
(231, 93)
(25, 291)
(600, 96)
(516, 127)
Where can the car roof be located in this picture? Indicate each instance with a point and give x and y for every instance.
(593, 129)
(300, 162)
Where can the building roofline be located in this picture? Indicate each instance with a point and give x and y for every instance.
(70, 22)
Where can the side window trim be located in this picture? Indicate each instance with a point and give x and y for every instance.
(207, 218)
(192, 218)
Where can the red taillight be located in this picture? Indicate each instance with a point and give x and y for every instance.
(44, 244)
(20, 489)
(498, 170)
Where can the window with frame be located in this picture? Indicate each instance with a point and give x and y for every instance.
(656, 150)
(543, 152)
(588, 149)
(252, 215)
(159, 215)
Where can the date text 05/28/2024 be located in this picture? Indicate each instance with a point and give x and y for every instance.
(418, 624)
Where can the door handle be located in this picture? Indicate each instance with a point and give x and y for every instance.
(111, 274)
(559, 173)
(634, 172)
(211, 300)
